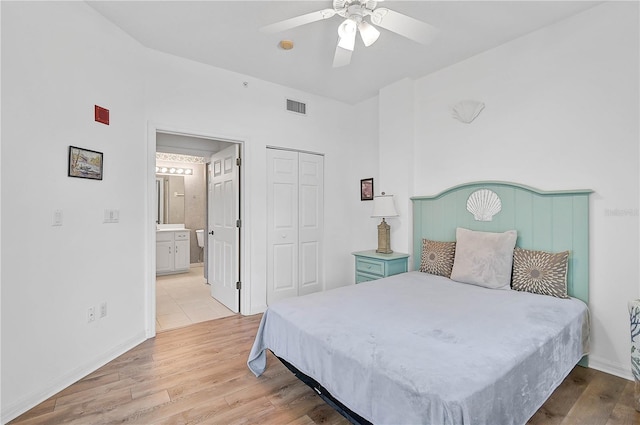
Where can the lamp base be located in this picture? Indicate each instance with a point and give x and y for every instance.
(384, 238)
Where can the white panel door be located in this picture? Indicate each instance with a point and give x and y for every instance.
(311, 222)
(223, 232)
(294, 224)
(282, 224)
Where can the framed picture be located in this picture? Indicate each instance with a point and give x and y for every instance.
(85, 163)
(366, 189)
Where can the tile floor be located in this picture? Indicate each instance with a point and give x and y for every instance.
(183, 299)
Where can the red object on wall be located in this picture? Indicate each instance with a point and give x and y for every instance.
(102, 115)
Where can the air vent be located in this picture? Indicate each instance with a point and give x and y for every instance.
(297, 107)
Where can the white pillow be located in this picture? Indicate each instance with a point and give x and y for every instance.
(484, 258)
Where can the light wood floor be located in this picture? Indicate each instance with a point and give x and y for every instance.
(198, 375)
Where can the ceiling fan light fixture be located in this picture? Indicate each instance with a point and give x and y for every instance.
(347, 32)
(369, 33)
(346, 28)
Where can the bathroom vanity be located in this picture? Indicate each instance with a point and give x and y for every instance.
(172, 251)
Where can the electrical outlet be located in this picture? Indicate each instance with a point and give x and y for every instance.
(91, 314)
(57, 218)
(103, 309)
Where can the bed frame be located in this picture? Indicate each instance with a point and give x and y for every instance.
(547, 221)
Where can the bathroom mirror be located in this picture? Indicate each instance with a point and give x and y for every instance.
(169, 199)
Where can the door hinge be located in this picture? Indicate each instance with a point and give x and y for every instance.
(238, 285)
(238, 223)
(238, 161)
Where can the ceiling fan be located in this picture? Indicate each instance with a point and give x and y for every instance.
(355, 13)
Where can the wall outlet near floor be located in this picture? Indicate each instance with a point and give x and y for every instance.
(103, 309)
(91, 314)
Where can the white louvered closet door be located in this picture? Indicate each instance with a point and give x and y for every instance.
(295, 223)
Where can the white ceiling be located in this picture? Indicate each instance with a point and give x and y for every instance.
(226, 34)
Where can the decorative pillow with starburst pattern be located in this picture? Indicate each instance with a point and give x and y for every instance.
(437, 257)
(540, 272)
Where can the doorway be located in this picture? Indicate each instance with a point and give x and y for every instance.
(184, 297)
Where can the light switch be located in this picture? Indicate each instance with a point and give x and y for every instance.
(57, 218)
(111, 216)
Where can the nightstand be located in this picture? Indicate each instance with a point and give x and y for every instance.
(371, 265)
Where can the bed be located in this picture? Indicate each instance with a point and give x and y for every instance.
(423, 348)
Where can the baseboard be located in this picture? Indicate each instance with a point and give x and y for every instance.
(611, 368)
(13, 411)
(256, 309)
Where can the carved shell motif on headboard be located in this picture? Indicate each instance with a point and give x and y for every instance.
(484, 204)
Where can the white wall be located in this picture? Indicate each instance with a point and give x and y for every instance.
(58, 60)
(203, 100)
(561, 113)
(397, 135)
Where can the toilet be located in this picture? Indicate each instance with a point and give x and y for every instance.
(200, 236)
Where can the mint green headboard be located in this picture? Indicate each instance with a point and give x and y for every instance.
(547, 221)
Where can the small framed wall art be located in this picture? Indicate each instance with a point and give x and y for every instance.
(366, 189)
(85, 163)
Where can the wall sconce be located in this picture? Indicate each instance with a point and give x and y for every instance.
(174, 170)
(383, 207)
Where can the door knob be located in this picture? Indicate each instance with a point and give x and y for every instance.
(211, 232)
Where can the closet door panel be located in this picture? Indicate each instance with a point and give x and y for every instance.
(284, 273)
(282, 224)
(311, 226)
(309, 273)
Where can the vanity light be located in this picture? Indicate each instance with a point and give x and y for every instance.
(173, 170)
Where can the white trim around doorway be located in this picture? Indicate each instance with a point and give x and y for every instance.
(150, 230)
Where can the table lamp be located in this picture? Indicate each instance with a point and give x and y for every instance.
(383, 207)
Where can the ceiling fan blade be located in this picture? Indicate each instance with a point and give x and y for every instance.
(342, 57)
(404, 25)
(298, 20)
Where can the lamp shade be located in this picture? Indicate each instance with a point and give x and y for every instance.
(368, 33)
(347, 32)
(383, 206)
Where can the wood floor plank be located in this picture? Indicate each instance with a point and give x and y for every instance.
(624, 413)
(304, 420)
(193, 410)
(253, 412)
(40, 410)
(597, 402)
(326, 415)
(198, 375)
(119, 414)
(67, 413)
(168, 377)
(555, 409)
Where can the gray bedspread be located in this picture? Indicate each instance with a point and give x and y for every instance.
(421, 349)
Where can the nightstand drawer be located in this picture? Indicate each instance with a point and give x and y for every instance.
(363, 277)
(370, 266)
